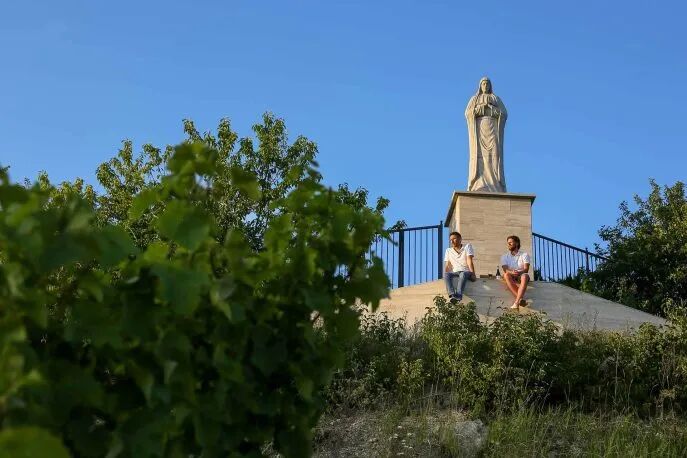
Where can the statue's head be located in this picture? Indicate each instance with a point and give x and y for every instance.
(484, 86)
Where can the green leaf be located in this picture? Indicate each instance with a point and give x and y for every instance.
(116, 447)
(72, 386)
(169, 367)
(80, 221)
(230, 368)
(11, 330)
(93, 286)
(180, 287)
(10, 194)
(30, 442)
(14, 277)
(143, 202)
(156, 252)
(64, 250)
(219, 292)
(305, 387)
(185, 224)
(183, 155)
(245, 182)
(268, 352)
(95, 323)
(114, 246)
(144, 379)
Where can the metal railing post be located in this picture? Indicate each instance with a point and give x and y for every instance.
(440, 250)
(401, 257)
(586, 255)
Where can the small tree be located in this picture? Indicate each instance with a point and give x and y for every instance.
(278, 166)
(647, 252)
(154, 326)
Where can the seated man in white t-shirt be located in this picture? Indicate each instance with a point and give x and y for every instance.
(516, 265)
(458, 266)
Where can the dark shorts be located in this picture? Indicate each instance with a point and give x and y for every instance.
(519, 276)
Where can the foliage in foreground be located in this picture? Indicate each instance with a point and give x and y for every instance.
(516, 361)
(188, 340)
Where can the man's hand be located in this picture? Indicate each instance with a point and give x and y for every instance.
(449, 266)
(473, 277)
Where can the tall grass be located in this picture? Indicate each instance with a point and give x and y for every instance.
(569, 432)
(529, 432)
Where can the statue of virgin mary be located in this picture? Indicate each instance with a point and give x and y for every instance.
(486, 116)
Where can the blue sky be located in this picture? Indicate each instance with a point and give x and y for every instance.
(595, 92)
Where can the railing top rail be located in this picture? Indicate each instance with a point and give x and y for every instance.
(419, 228)
(583, 250)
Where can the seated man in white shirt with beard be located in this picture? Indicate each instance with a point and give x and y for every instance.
(516, 265)
(458, 267)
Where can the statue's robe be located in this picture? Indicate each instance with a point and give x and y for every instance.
(485, 135)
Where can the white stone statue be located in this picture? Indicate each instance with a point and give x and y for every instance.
(486, 116)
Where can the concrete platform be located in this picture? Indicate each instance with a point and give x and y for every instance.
(568, 307)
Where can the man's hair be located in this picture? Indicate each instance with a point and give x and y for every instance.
(516, 239)
(455, 233)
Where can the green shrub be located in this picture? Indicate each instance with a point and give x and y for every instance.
(524, 358)
(193, 344)
(411, 380)
(370, 371)
(517, 361)
(646, 252)
(460, 348)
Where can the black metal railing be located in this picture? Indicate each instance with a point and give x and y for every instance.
(555, 260)
(411, 255)
(415, 255)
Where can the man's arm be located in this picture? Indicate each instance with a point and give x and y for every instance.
(449, 266)
(504, 265)
(524, 270)
(471, 266)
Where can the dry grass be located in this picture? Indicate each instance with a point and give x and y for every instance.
(528, 433)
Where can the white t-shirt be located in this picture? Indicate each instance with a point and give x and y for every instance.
(459, 259)
(516, 261)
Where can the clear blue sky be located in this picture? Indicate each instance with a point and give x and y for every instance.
(595, 91)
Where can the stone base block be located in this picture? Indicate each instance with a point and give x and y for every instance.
(486, 219)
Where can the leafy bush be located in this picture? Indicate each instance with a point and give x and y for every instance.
(524, 361)
(647, 253)
(460, 348)
(411, 379)
(517, 361)
(370, 375)
(189, 341)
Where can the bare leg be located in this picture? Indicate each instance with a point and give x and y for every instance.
(524, 279)
(510, 283)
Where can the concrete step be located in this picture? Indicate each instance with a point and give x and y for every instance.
(566, 306)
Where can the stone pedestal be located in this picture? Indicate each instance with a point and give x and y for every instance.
(486, 219)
